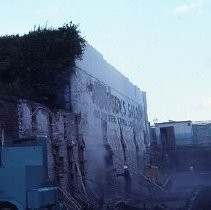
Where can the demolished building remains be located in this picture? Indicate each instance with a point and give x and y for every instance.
(98, 144)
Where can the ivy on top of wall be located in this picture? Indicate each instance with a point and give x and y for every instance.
(38, 64)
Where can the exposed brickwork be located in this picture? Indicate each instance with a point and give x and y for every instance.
(9, 119)
(21, 118)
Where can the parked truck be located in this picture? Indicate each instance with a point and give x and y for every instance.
(23, 176)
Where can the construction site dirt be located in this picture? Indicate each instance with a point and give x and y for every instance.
(185, 184)
(185, 191)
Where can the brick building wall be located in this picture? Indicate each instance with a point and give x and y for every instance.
(25, 119)
(8, 119)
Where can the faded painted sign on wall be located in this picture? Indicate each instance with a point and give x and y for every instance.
(113, 119)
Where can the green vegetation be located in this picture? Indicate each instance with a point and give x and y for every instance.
(37, 65)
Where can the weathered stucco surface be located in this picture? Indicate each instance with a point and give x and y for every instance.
(113, 120)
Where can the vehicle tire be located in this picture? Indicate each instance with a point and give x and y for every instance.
(7, 206)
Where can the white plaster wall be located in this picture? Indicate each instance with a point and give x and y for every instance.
(107, 100)
(42, 122)
(25, 119)
(93, 63)
(179, 127)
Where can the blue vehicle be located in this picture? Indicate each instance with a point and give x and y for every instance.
(23, 177)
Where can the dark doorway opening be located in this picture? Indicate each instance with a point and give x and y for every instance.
(167, 136)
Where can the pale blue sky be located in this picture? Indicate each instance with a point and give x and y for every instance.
(164, 47)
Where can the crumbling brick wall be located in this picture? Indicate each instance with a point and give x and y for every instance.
(25, 119)
(8, 119)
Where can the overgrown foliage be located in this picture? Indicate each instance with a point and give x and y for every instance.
(37, 65)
